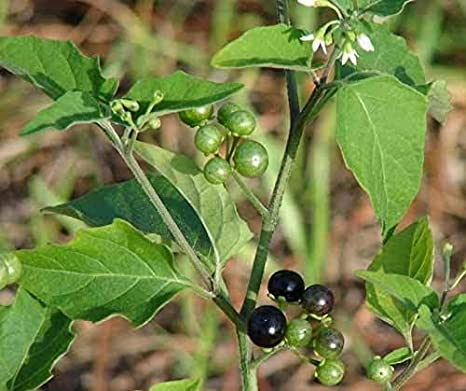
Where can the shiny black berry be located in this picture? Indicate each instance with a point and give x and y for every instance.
(286, 283)
(267, 326)
(318, 300)
(329, 342)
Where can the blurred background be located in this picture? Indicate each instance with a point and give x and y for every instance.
(327, 229)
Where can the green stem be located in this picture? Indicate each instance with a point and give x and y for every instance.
(218, 296)
(413, 367)
(248, 371)
(249, 194)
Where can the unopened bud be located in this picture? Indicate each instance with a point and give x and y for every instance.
(130, 104)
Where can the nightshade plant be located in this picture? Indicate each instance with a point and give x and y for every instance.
(124, 263)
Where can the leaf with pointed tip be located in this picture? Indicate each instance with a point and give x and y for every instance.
(213, 203)
(55, 66)
(72, 108)
(408, 291)
(381, 132)
(408, 253)
(32, 339)
(277, 46)
(384, 7)
(181, 92)
(127, 201)
(113, 270)
(178, 385)
(448, 336)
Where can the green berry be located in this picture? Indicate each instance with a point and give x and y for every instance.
(208, 139)
(241, 123)
(299, 333)
(251, 159)
(217, 170)
(197, 116)
(379, 371)
(330, 372)
(225, 111)
(329, 342)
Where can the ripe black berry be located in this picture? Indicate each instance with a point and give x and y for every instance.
(267, 326)
(286, 283)
(318, 300)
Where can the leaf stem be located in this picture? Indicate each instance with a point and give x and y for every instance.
(413, 367)
(249, 194)
(218, 296)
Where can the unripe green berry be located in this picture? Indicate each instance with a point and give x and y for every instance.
(329, 342)
(208, 139)
(299, 333)
(197, 116)
(251, 159)
(379, 371)
(217, 170)
(330, 372)
(241, 123)
(225, 111)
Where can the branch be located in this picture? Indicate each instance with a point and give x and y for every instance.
(217, 295)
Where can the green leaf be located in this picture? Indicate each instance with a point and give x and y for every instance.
(381, 132)
(439, 101)
(408, 253)
(408, 291)
(276, 46)
(448, 336)
(72, 108)
(178, 385)
(384, 7)
(113, 270)
(32, 339)
(181, 92)
(128, 201)
(347, 5)
(213, 203)
(391, 56)
(398, 356)
(54, 66)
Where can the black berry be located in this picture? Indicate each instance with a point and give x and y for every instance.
(318, 300)
(286, 283)
(267, 326)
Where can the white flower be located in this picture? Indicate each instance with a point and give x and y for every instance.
(309, 3)
(365, 43)
(319, 42)
(307, 37)
(349, 54)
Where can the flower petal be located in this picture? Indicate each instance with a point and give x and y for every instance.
(307, 3)
(307, 37)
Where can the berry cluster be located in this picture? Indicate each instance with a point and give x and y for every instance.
(249, 158)
(268, 326)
